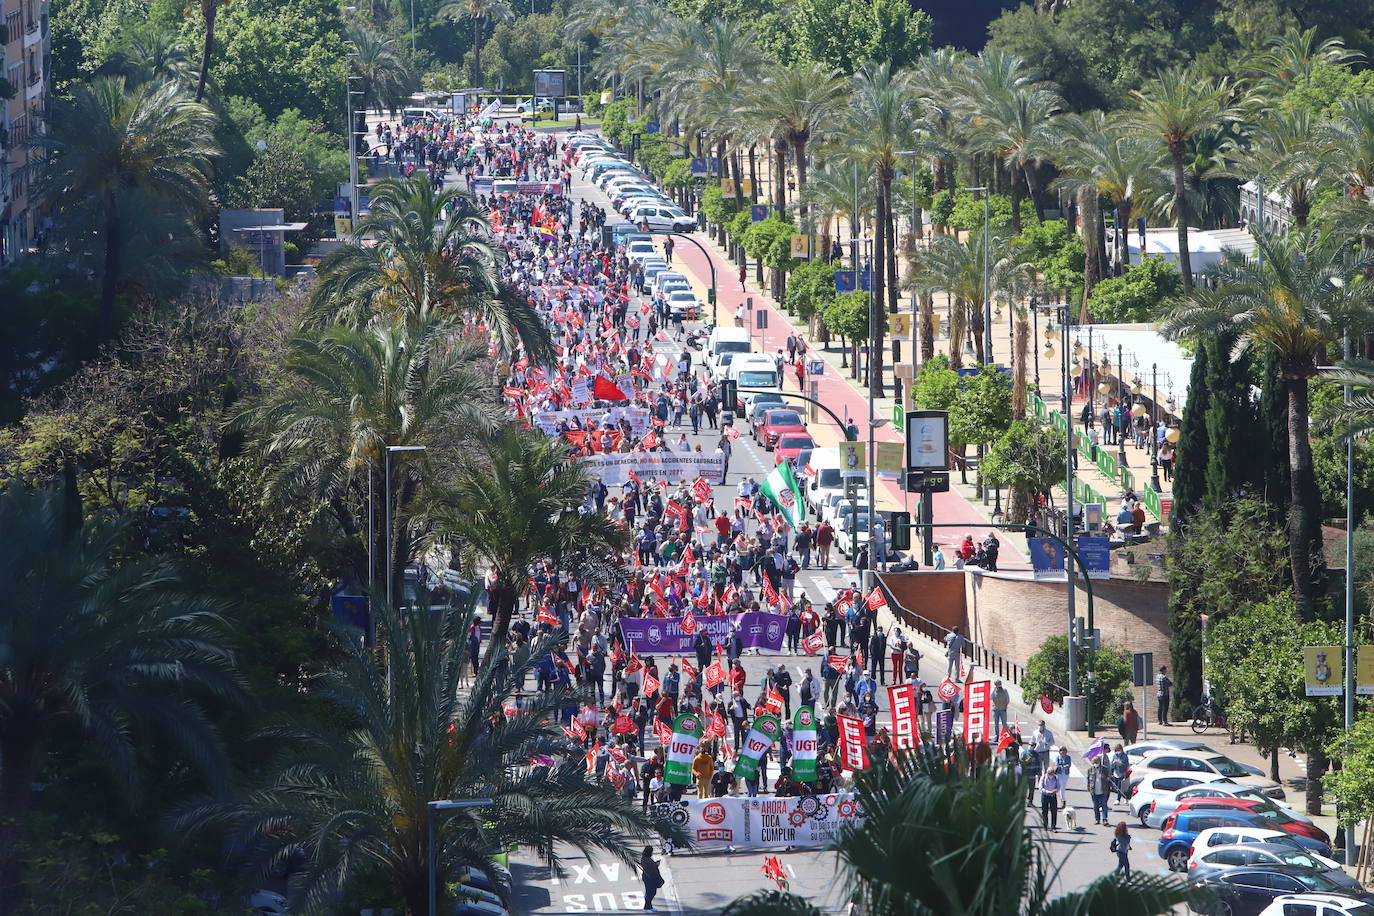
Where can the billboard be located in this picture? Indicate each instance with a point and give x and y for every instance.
(1322, 671)
(927, 440)
(551, 84)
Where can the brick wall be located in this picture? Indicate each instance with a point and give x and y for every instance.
(936, 596)
(1014, 614)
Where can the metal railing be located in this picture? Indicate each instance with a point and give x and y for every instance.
(979, 656)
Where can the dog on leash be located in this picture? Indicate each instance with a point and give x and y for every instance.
(1070, 817)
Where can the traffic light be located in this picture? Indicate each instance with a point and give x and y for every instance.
(1076, 634)
(899, 530)
(729, 394)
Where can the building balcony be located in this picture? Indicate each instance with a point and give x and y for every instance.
(35, 88)
(32, 35)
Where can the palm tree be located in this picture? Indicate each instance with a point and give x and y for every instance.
(956, 268)
(147, 52)
(99, 644)
(1012, 121)
(1351, 135)
(110, 143)
(1175, 108)
(876, 126)
(349, 394)
(352, 799)
(384, 81)
(209, 11)
(795, 100)
(510, 503)
(479, 13)
(1293, 303)
(1293, 57)
(1290, 153)
(979, 856)
(433, 255)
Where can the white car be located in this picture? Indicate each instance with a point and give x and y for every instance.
(1317, 905)
(641, 249)
(684, 302)
(851, 532)
(670, 282)
(1194, 762)
(1141, 749)
(1162, 807)
(1155, 786)
(661, 217)
(1230, 836)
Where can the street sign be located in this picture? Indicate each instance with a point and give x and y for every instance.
(1142, 663)
(899, 325)
(815, 367)
(844, 281)
(927, 482)
(761, 319)
(853, 456)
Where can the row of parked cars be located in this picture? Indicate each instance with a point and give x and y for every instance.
(1230, 828)
(632, 193)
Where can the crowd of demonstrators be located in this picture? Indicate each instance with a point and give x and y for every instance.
(621, 384)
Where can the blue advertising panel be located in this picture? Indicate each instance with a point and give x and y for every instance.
(1047, 558)
(1095, 553)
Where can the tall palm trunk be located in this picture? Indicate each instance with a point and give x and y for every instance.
(1123, 236)
(1015, 206)
(109, 280)
(876, 318)
(477, 24)
(1019, 510)
(210, 8)
(1185, 262)
(1032, 188)
(927, 326)
(890, 265)
(18, 751)
(1304, 530)
(978, 328)
(1088, 218)
(503, 597)
(958, 323)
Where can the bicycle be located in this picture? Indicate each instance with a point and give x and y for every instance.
(1207, 715)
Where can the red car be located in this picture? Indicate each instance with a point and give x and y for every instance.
(777, 423)
(790, 445)
(1263, 807)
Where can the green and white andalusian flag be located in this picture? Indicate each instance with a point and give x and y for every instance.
(782, 488)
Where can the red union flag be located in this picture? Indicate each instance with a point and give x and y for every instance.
(853, 746)
(701, 490)
(902, 700)
(623, 725)
(977, 711)
(688, 624)
(876, 599)
(662, 732)
(651, 685)
(546, 616)
(716, 727)
(773, 703)
(813, 643)
(715, 674)
(837, 662)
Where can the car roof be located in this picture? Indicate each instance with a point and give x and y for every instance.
(1187, 814)
(1274, 848)
(1190, 755)
(780, 409)
(1178, 744)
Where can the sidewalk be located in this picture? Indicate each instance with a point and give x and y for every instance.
(841, 394)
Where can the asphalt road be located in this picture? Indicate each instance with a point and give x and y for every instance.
(701, 882)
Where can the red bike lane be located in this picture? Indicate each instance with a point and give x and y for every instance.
(842, 396)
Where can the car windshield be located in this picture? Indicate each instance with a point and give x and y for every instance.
(682, 295)
(1275, 814)
(795, 442)
(732, 346)
(758, 379)
(1226, 766)
(1317, 882)
(785, 418)
(1301, 858)
(828, 477)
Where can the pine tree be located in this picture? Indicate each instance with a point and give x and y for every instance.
(1230, 429)
(1190, 463)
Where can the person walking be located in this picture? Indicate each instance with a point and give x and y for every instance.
(1128, 724)
(651, 876)
(954, 650)
(825, 536)
(1042, 742)
(1049, 798)
(1100, 787)
(1162, 688)
(1121, 845)
(703, 768)
(1000, 698)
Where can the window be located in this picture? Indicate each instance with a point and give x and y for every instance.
(1299, 909)
(1286, 883)
(1249, 879)
(1226, 857)
(1222, 839)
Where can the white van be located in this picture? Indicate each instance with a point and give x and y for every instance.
(757, 372)
(828, 479)
(728, 340)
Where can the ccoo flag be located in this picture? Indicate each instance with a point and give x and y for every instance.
(782, 488)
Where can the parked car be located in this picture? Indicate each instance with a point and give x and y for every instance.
(1181, 829)
(1220, 858)
(1230, 836)
(1250, 889)
(789, 446)
(1317, 905)
(1143, 749)
(1156, 786)
(1218, 788)
(851, 529)
(763, 403)
(1278, 817)
(639, 249)
(776, 423)
(1247, 797)
(664, 217)
(1202, 762)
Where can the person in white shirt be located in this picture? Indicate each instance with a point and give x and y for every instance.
(1042, 742)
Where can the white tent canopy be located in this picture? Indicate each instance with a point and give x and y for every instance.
(1204, 247)
(1142, 347)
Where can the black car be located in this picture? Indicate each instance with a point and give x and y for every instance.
(1247, 890)
(1206, 862)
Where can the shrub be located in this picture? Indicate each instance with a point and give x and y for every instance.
(1047, 674)
(1137, 294)
(810, 288)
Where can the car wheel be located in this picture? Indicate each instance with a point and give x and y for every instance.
(1143, 814)
(1177, 859)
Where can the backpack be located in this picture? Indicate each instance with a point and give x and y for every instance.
(1113, 845)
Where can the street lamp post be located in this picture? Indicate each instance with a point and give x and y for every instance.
(1120, 401)
(430, 810)
(1154, 423)
(915, 230)
(1062, 312)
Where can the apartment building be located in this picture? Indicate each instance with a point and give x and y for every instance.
(25, 62)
